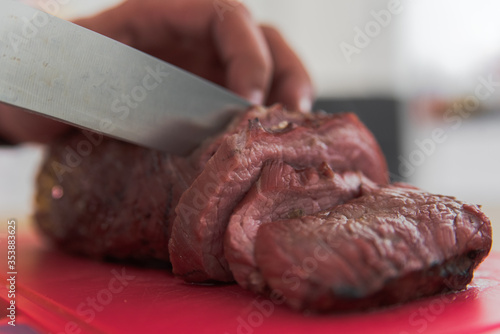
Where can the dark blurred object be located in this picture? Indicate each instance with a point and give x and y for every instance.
(380, 116)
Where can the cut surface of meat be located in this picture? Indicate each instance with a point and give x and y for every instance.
(281, 193)
(203, 211)
(391, 244)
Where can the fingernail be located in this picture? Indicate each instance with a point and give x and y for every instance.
(305, 104)
(256, 97)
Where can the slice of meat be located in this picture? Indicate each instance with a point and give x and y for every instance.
(390, 245)
(187, 169)
(281, 193)
(204, 210)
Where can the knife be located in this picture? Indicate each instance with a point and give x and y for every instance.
(63, 71)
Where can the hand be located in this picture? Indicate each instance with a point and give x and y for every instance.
(215, 39)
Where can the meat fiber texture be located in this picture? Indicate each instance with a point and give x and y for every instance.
(288, 204)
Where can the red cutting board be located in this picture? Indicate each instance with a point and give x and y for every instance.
(59, 293)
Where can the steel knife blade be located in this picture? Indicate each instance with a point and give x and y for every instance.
(58, 69)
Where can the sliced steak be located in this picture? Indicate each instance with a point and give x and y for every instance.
(204, 210)
(390, 245)
(281, 193)
(287, 202)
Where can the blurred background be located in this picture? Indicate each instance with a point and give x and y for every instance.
(423, 75)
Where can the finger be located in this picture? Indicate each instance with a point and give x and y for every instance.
(243, 49)
(292, 84)
(112, 23)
